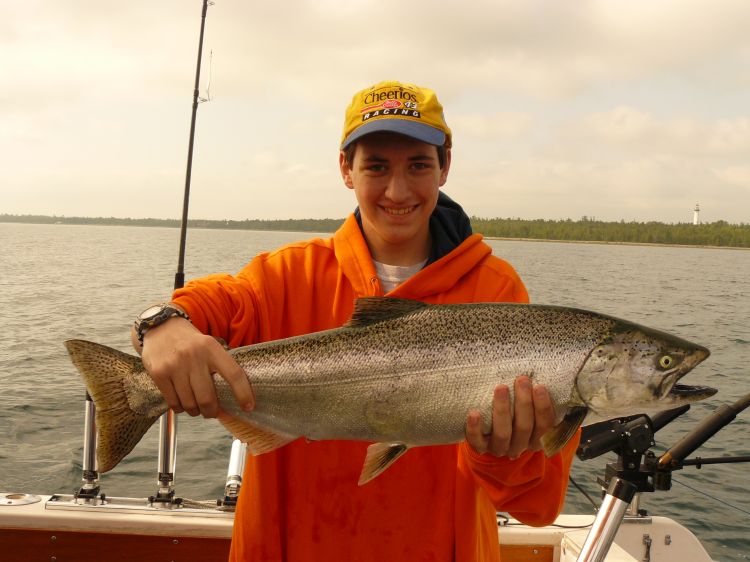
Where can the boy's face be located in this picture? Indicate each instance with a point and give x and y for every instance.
(396, 181)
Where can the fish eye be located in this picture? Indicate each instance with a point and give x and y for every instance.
(666, 361)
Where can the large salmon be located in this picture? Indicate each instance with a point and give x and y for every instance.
(403, 373)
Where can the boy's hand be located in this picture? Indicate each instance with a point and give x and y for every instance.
(517, 430)
(180, 360)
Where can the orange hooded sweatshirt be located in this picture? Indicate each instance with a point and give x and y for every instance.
(301, 502)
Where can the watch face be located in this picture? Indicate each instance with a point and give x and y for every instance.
(151, 311)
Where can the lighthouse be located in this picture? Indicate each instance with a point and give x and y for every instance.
(697, 210)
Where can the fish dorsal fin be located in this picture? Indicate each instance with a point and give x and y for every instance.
(371, 310)
(259, 440)
(379, 457)
(556, 438)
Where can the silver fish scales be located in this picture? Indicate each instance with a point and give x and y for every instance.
(403, 373)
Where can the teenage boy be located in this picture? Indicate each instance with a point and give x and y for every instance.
(405, 239)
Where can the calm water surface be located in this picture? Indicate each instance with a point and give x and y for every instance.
(59, 282)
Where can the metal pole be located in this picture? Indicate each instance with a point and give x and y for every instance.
(90, 476)
(89, 440)
(599, 540)
(167, 453)
(168, 421)
(234, 474)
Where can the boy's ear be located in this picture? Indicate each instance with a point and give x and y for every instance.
(346, 171)
(446, 168)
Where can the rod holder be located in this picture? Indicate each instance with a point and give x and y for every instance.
(167, 460)
(599, 540)
(89, 489)
(235, 470)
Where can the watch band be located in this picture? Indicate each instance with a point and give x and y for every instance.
(161, 313)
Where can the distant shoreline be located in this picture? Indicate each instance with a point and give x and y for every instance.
(716, 235)
(603, 242)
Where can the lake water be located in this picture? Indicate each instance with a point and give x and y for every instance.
(60, 282)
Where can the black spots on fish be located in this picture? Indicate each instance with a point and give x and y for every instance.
(518, 323)
(605, 353)
(635, 343)
(513, 337)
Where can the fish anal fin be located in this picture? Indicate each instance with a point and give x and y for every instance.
(556, 438)
(259, 440)
(379, 457)
(371, 310)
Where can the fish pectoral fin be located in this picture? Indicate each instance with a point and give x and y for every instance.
(259, 440)
(379, 457)
(556, 438)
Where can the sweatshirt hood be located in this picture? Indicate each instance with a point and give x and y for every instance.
(455, 251)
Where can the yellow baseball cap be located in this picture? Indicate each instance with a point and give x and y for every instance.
(395, 107)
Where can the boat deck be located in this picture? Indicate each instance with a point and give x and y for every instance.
(45, 528)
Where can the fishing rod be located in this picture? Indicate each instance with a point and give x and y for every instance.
(165, 495)
(674, 458)
(638, 469)
(89, 492)
(179, 278)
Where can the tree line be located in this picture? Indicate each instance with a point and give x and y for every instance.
(292, 225)
(719, 233)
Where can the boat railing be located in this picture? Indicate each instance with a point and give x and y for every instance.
(89, 495)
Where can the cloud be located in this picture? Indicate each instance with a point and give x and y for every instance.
(631, 190)
(491, 125)
(546, 50)
(629, 130)
(736, 175)
(600, 107)
(621, 163)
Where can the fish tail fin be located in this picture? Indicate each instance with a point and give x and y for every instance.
(105, 372)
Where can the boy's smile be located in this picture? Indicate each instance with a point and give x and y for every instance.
(404, 211)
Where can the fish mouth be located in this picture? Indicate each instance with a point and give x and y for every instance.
(685, 392)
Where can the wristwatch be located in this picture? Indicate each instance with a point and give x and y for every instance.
(154, 316)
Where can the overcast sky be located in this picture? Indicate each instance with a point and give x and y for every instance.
(613, 109)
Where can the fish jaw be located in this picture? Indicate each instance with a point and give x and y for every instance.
(636, 370)
(681, 394)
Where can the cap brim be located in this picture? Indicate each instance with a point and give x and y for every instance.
(419, 131)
